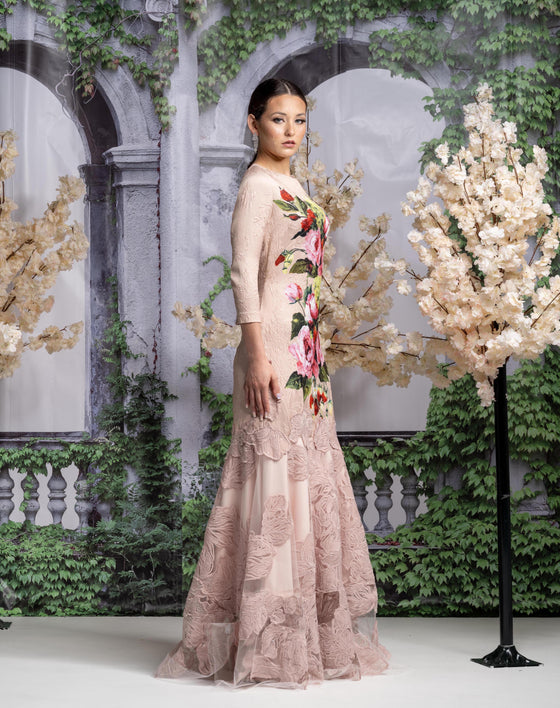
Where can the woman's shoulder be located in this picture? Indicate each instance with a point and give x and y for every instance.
(257, 177)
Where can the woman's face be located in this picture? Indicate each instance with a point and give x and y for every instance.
(280, 128)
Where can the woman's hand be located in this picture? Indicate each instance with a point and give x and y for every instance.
(261, 377)
(259, 380)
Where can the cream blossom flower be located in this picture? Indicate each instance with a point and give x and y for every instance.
(354, 301)
(481, 294)
(31, 256)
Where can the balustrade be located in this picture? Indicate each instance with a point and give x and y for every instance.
(58, 497)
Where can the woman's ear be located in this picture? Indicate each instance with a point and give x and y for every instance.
(252, 123)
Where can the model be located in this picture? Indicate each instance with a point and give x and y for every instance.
(283, 593)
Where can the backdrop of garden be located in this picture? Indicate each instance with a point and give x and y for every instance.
(389, 80)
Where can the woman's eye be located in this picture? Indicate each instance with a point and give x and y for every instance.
(277, 120)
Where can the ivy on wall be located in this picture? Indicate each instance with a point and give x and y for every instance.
(90, 32)
(447, 561)
(465, 42)
(130, 564)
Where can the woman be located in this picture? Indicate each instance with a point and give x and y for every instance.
(283, 593)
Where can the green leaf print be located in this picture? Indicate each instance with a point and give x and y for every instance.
(295, 381)
(285, 206)
(301, 205)
(301, 266)
(298, 320)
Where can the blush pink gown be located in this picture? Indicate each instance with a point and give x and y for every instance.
(283, 593)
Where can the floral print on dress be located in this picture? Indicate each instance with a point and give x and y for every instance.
(311, 374)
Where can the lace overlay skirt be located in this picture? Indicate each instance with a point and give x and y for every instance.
(283, 593)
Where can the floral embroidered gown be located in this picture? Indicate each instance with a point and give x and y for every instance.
(283, 593)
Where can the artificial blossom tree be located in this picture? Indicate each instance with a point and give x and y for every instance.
(490, 290)
(31, 257)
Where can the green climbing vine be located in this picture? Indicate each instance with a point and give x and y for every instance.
(130, 563)
(446, 562)
(462, 43)
(211, 457)
(90, 33)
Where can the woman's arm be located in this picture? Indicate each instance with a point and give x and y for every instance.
(248, 228)
(260, 375)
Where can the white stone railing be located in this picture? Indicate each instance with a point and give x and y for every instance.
(397, 501)
(57, 495)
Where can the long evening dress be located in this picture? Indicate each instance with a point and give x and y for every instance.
(283, 592)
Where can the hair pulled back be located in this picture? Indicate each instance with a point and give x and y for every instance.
(265, 91)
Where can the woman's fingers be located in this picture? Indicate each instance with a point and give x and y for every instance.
(275, 386)
(258, 386)
(251, 397)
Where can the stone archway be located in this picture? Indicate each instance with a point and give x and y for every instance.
(119, 132)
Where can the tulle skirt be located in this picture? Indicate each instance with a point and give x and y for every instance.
(283, 593)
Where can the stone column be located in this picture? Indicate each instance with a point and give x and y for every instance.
(135, 179)
(221, 169)
(102, 261)
(180, 251)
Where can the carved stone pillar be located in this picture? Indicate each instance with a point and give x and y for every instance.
(102, 259)
(383, 504)
(6, 495)
(30, 483)
(410, 501)
(57, 496)
(83, 505)
(360, 495)
(135, 170)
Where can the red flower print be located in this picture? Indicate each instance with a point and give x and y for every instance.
(307, 223)
(286, 196)
(281, 258)
(293, 217)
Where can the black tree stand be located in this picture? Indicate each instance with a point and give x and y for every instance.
(505, 654)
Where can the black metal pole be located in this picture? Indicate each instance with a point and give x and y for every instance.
(503, 507)
(506, 654)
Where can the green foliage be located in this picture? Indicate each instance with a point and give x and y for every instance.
(135, 420)
(47, 570)
(211, 457)
(387, 457)
(472, 40)
(90, 31)
(139, 549)
(144, 533)
(145, 556)
(446, 562)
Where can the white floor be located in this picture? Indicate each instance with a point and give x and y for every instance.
(108, 662)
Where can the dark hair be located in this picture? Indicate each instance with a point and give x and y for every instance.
(265, 91)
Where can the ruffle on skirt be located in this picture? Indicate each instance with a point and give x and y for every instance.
(283, 593)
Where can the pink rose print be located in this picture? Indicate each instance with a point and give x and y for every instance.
(314, 249)
(306, 259)
(311, 308)
(294, 292)
(303, 349)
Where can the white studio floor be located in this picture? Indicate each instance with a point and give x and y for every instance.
(108, 662)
